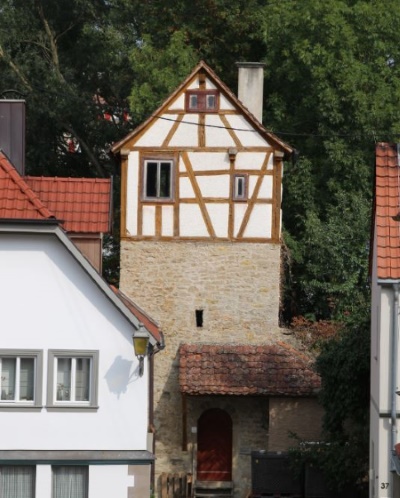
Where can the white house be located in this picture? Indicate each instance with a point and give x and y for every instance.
(74, 398)
(385, 284)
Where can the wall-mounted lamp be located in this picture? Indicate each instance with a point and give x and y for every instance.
(140, 345)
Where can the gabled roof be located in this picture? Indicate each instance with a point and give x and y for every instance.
(82, 204)
(387, 206)
(203, 67)
(17, 200)
(128, 309)
(233, 369)
(143, 317)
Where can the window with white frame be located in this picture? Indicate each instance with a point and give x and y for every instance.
(240, 188)
(72, 378)
(70, 480)
(17, 481)
(20, 378)
(158, 179)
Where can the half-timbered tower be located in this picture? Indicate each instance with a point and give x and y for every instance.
(200, 249)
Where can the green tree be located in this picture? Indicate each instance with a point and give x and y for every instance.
(333, 90)
(70, 61)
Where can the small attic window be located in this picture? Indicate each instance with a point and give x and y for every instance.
(202, 101)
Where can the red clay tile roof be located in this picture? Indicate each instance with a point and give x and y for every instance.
(272, 370)
(83, 204)
(17, 199)
(387, 205)
(148, 322)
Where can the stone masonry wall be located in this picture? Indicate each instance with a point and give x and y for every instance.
(237, 287)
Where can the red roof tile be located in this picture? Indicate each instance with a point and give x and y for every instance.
(387, 205)
(148, 322)
(83, 204)
(233, 369)
(17, 199)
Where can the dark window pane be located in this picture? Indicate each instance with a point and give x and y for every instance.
(193, 102)
(151, 179)
(211, 102)
(165, 180)
(26, 376)
(82, 379)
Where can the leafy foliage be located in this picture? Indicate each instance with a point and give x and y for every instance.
(69, 60)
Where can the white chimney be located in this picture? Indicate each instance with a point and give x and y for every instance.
(251, 86)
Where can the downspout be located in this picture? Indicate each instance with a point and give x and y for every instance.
(395, 347)
(156, 349)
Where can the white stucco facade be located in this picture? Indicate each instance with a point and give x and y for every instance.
(385, 381)
(50, 303)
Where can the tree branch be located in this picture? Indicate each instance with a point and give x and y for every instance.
(15, 68)
(52, 41)
(88, 151)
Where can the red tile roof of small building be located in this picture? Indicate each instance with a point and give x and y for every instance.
(17, 199)
(83, 204)
(387, 205)
(234, 369)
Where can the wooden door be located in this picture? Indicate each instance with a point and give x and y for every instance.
(214, 446)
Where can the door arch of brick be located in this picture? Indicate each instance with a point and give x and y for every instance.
(214, 446)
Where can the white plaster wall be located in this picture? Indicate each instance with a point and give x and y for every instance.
(216, 133)
(167, 221)
(133, 193)
(186, 135)
(209, 161)
(157, 131)
(259, 224)
(239, 212)
(149, 220)
(219, 214)
(252, 160)
(214, 186)
(265, 191)
(245, 132)
(384, 363)
(105, 481)
(191, 223)
(178, 103)
(109, 481)
(185, 188)
(224, 104)
(49, 302)
(43, 481)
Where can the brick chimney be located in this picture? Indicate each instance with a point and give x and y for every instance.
(12, 132)
(251, 86)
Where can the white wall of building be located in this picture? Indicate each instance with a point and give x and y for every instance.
(50, 302)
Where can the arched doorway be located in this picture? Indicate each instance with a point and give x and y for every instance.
(214, 446)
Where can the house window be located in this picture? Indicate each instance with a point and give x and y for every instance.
(20, 378)
(73, 378)
(158, 175)
(17, 481)
(70, 480)
(240, 188)
(202, 101)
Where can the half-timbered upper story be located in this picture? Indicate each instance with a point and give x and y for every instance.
(202, 167)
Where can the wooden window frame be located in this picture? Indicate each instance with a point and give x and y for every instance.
(201, 101)
(157, 198)
(235, 195)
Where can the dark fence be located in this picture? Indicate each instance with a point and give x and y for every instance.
(175, 485)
